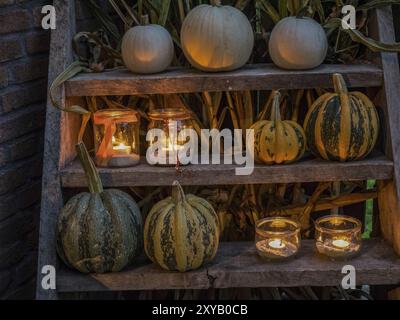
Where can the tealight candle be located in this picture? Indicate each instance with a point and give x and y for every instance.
(338, 237)
(339, 243)
(123, 156)
(277, 244)
(122, 149)
(277, 238)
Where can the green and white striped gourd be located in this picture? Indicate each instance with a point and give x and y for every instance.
(100, 231)
(342, 126)
(181, 232)
(278, 141)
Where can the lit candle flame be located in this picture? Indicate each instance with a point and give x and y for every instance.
(122, 149)
(277, 244)
(340, 243)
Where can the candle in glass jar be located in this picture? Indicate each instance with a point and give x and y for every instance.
(338, 237)
(277, 238)
(116, 133)
(172, 122)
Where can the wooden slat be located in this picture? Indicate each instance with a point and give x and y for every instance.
(251, 77)
(391, 92)
(389, 215)
(312, 170)
(60, 58)
(237, 265)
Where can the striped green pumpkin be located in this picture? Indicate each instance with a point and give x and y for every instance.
(100, 231)
(342, 126)
(278, 141)
(181, 232)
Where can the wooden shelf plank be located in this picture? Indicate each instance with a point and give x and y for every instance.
(376, 167)
(250, 77)
(237, 265)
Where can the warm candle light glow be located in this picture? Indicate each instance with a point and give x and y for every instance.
(338, 237)
(340, 243)
(277, 244)
(172, 147)
(122, 149)
(277, 238)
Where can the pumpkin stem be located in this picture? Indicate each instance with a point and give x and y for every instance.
(92, 175)
(177, 192)
(276, 107)
(339, 84)
(302, 12)
(145, 20)
(216, 3)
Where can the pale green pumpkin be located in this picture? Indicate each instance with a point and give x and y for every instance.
(100, 231)
(342, 126)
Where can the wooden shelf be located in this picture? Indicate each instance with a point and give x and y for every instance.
(237, 265)
(250, 77)
(376, 167)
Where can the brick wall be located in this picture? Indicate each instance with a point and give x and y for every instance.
(23, 86)
(396, 16)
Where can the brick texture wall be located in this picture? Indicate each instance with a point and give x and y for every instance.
(396, 16)
(23, 85)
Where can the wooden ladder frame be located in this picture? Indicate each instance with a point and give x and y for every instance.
(61, 129)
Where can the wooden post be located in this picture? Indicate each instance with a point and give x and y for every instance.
(60, 58)
(389, 191)
(389, 98)
(389, 213)
(394, 294)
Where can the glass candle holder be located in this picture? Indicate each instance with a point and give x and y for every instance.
(171, 122)
(116, 135)
(338, 237)
(277, 238)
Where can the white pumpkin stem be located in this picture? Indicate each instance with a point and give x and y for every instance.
(145, 20)
(276, 107)
(339, 84)
(216, 3)
(177, 192)
(92, 175)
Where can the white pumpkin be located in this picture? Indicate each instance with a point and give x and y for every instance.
(217, 38)
(298, 44)
(147, 48)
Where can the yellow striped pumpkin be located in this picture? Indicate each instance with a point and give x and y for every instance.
(278, 141)
(181, 232)
(342, 126)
